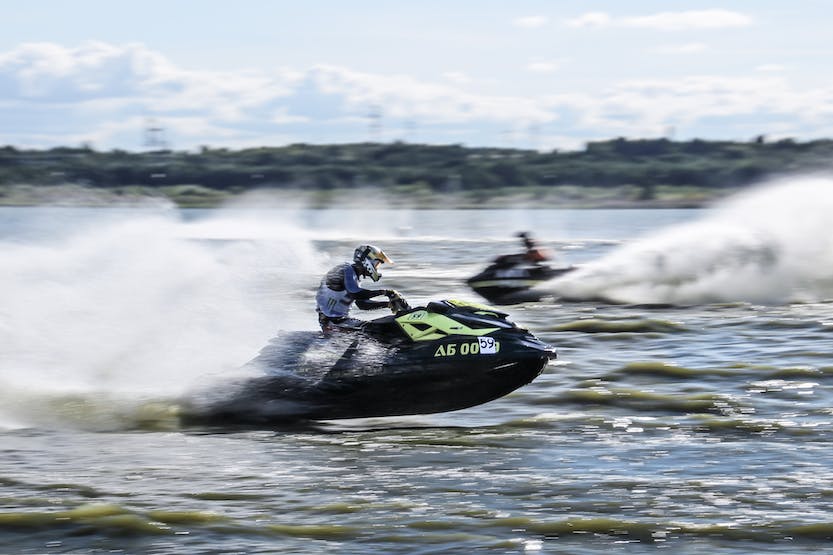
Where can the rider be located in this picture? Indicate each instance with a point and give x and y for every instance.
(340, 288)
(533, 253)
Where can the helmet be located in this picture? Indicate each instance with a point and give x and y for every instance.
(368, 258)
(527, 239)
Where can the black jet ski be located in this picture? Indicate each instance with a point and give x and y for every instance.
(511, 279)
(445, 356)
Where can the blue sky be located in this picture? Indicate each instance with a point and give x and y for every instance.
(526, 73)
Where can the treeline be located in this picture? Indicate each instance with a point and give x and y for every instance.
(643, 163)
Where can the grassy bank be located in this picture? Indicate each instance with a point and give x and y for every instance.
(197, 196)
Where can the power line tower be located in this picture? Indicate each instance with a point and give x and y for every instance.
(535, 135)
(410, 131)
(155, 136)
(157, 145)
(375, 117)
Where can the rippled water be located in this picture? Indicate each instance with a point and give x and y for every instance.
(689, 409)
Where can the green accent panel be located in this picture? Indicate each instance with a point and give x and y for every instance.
(422, 325)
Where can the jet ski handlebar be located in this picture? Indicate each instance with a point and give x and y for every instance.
(397, 303)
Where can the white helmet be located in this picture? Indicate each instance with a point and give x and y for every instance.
(368, 258)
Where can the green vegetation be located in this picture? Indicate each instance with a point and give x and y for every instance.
(619, 172)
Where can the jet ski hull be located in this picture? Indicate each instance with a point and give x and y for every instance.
(314, 376)
(505, 286)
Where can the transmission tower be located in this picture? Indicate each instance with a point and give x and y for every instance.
(155, 136)
(375, 117)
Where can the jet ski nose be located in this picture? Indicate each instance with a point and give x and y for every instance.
(539, 347)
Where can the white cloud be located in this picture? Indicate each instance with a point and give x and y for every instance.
(457, 77)
(725, 107)
(591, 19)
(666, 21)
(544, 66)
(109, 85)
(405, 96)
(281, 116)
(770, 68)
(103, 93)
(688, 48)
(94, 69)
(702, 19)
(650, 106)
(531, 22)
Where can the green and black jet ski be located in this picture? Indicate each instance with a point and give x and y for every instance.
(445, 356)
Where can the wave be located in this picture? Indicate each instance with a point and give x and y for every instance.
(106, 521)
(596, 325)
(644, 401)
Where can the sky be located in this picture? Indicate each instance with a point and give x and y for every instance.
(542, 74)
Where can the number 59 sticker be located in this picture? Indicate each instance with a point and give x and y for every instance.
(488, 345)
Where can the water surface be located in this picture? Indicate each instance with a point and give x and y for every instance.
(689, 409)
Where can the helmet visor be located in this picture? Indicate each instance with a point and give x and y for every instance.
(382, 257)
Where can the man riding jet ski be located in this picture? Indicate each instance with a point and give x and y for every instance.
(532, 255)
(340, 288)
(511, 278)
(444, 356)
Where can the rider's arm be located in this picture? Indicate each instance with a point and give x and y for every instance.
(362, 295)
(371, 305)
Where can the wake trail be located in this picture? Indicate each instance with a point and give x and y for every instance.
(770, 245)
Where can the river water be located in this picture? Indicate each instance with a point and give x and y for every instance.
(689, 409)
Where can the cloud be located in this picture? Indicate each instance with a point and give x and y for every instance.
(108, 85)
(105, 94)
(457, 77)
(95, 69)
(773, 68)
(688, 48)
(591, 19)
(649, 107)
(530, 22)
(703, 19)
(666, 21)
(403, 96)
(544, 66)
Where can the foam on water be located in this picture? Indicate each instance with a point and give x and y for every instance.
(770, 245)
(138, 309)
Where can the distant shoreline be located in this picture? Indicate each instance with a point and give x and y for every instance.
(195, 196)
(615, 173)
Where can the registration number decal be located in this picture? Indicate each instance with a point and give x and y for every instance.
(483, 346)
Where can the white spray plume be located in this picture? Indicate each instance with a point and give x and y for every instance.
(140, 308)
(769, 245)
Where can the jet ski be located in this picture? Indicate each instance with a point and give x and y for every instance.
(512, 279)
(445, 356)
